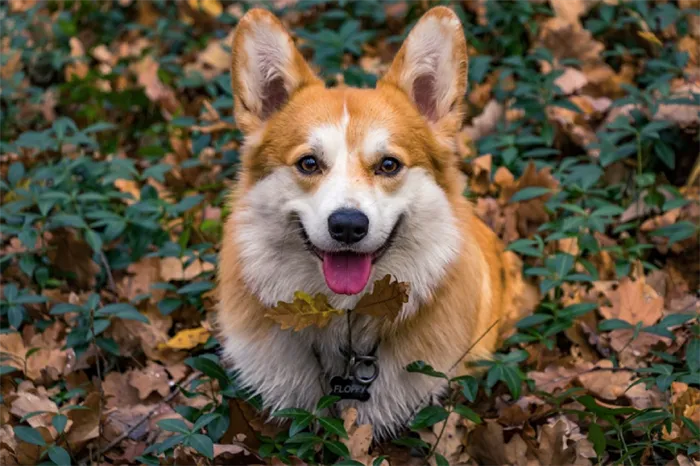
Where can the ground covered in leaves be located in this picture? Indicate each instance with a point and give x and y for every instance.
(118, 146)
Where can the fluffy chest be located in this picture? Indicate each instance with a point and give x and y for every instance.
(395, 395)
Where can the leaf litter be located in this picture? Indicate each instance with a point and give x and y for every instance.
(159, 370)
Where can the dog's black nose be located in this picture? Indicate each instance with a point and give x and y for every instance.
(348, 225)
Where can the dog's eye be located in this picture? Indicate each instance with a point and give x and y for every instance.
(308, 165)
(388, 166)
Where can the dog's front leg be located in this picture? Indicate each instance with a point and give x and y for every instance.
(281, 368)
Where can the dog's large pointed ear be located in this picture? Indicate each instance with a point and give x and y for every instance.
(266, 69)
(431, 68)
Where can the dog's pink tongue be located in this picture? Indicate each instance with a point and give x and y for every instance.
(346, 273)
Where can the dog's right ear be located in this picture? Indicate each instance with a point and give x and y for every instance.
(266, 69)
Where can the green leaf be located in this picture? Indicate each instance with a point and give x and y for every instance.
(533, 320)
(202, 444)
(196, 288)
(336, 447)
(665, 154)
(326, 401)
(29, 435)
(467, 413)
(512, 380)
(470, 387)
(528, 193)
(676, 232)
(614, 324)
(174, 425)
(7, 370)
(115, 308)
(410, 442)
(441, 460)
(59, 422)
(132, 314)
(210, 368)
(292, 413)
(429, 416)
(59, 456)
(424, 368)
(300, 423)
(379, 460)
(597, 438)
(333, 426)
(204, 421)
(692, 354)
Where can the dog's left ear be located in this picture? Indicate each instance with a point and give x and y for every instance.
(266, 69)
(431, 68)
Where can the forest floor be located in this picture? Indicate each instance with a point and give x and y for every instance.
(119, 146)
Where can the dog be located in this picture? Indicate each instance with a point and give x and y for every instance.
(337, 188)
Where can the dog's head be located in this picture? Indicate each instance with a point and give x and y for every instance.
(339, 187)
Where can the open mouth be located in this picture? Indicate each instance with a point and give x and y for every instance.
(347, 271)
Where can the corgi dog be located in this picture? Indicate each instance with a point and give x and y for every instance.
(339, 187)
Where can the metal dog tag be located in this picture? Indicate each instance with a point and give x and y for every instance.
(347, 388)
(354, 385)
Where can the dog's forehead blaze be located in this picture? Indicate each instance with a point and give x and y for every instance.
(359, 124)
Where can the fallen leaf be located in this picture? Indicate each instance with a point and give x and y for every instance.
(303, 312)
(386, 299)
(187, 339)
(171, 268)
(72, 255)
(85, 422)
(151, 378)
(118, 392)
(633, 302)
(609, 385)
(77, 68)
(27, 402)
(210, 7)
(359, 438)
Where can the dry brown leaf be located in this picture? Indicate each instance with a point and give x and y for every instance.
(171, 268)
(480, 179)
(151, 378)
(359, 438)
(523, 218)
(85, 422)
(118, 392)
(187, 339)
(27, 402)
(554, 377)
(571, 81)
(129, 187)
(70, 254)
(570, 10)
(609, 385)
(78, 67)
(8, 445)
(633, 302)
(450, 445)
(147, 76)
(485, 444)
(386, 299)
(486, 122)
(303, 312)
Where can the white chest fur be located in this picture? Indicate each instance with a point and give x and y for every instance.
(285, 370)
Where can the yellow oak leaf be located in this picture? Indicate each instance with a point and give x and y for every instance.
(211, 7)
(386, 299)
(186, 339)
(303, 312)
